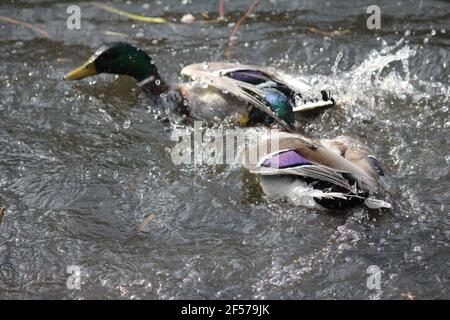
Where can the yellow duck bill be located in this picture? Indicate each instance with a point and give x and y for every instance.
(86, 70)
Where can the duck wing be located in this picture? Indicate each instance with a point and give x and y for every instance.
(293, 154)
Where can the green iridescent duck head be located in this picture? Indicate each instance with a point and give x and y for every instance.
(117, 58)
(280, 105)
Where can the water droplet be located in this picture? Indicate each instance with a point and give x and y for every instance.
(157, 82)
(426, 40)
(126, 124)
(447, 159)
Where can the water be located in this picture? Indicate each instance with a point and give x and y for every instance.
(83, 163)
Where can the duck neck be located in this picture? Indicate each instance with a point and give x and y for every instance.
(165, 95)
(153, 84)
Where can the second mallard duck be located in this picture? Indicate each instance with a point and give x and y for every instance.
(244, 94)
(338, 173)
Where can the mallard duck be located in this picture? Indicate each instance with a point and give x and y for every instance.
(337, 173)
(244, 94)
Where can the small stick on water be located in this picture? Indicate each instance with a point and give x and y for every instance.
(116, 34)
(26, 25)
(222, 8)
(329, 33)
(408, 295)
(147, 219)
(130, 15)
(2, 213)
(229, 53)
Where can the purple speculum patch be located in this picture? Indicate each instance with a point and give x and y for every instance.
(285, 160)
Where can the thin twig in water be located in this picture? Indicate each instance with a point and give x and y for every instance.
(408, 295)
(147, 219)
(26, 25)
(222, 8)
(329, 33)
(2, 213)
(130, 15)
(229, 53)
(116, 34)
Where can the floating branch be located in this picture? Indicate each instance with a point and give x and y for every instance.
(2, 213)
(222, 8)
(116, 34)
(329, 33)
(408, 295)
(130, 15)
(187, 18)
(147, 219)
(229, 52)
(26, 25)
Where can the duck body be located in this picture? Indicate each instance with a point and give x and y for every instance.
(242, 93)
(334, 173)
(262, 94)
(210, 104)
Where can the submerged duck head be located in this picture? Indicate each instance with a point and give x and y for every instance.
(117, 58)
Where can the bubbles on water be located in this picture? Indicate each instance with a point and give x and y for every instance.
(126, 124)
(140, 33)
(336, 63)
(447, 158)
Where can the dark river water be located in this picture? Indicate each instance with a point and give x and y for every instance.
(83, 163)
